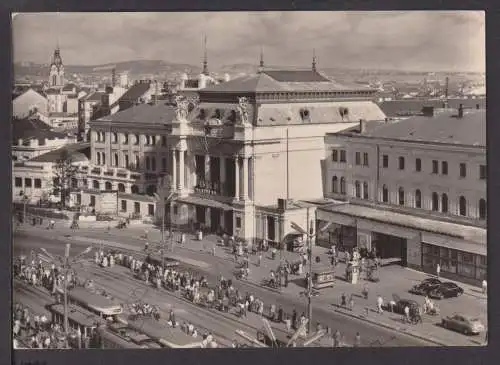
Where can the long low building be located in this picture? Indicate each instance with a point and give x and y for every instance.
(414, 189)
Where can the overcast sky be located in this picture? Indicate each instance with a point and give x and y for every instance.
(421, 40)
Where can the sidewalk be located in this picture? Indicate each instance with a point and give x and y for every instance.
(393, 280)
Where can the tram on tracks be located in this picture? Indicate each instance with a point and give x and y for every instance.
(93, 302)
(149, 333)
(116, 337)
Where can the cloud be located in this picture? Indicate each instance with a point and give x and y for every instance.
(406, 40)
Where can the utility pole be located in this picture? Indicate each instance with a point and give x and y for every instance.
(66, 263)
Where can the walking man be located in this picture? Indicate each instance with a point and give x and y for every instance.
(380, 302)
(484, 286)
(438, 270)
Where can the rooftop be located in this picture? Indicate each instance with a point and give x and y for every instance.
(79, 152)
(143, 113)
(395, 108)
(30, 128)
(442, 128)
(95, 96)
(136, 91)
(276, 81)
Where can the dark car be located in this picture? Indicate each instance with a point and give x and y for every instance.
(446, 290)
(465, 324)
(402, 303)
(169, 262)
(422, 289)
(431, 281)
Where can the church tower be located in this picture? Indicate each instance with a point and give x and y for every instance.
(56, 76)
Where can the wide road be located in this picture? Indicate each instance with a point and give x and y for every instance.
(119, 283)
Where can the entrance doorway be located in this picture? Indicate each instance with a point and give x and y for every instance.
(228, 222)
(390, 248)
(214, 219)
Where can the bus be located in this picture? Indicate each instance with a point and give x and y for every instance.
(78, 319)
(165, 335)
(93, 302)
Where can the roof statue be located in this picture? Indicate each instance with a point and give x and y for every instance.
(243, 110)
(181, 108)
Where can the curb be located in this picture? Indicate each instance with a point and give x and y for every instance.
(420, 337)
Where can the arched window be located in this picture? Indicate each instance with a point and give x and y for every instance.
(54, 80)
(115, 156)
(95, 184)
(148, 163)
(108, 186)
(98, 158)
(444, 203)
(418, 199)
(148, 140)
(134, 189)
(103, 158)
(401, 196)
(462, 203)
(126, 161)
(482, 209)
(153, 163)
(435, 202)
(137, 161)
(115, 137)
(335, 184)
(385, 194)
(365, 190)
(342, 185)
(121, 188)
(357, 187)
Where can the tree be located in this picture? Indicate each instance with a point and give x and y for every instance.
(64, 172)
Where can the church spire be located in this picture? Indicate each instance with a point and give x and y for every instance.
(314, 60)
(205, 57)
(261, 63)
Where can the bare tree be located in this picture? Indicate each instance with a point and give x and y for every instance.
(64, 172)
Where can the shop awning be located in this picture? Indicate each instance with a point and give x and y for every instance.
(211, 203)
(454, 243)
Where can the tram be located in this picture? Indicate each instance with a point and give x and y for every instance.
(93, 302)
(119, 336)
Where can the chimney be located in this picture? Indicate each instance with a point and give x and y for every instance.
(461, 111)
(428, 111)
(362, 126)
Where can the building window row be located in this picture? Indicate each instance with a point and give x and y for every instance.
(100, 158)
(358, 158)
(335, 185)
(339, 155)
(28, 182)
(435, 166)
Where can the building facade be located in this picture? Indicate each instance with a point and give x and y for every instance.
(413, 186)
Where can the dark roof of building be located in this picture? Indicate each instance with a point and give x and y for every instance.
(69, 87)
(395, 108)
(284, 81)
(296, 76)
(31, 128)
(52, 91)
(160, 113)
(78, 151)
(443, 128)
(135, 91)
(95, 96)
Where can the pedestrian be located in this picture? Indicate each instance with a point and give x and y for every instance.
(146, 246)
(407, 314)
(259, 262)
(357, 340)
(343, 302)
(336, 339)
(213, 250)
(288, 323)
(294, 319)
(286, 278)
(438, 270)
(351, 302)
(484, 286)
(380, 302)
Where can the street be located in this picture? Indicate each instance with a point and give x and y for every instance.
(119, 283)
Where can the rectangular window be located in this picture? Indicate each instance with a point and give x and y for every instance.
(137, 207)
(358, 158)
(124, 205)
(385, 161)
(435, 167)
(463, 170)
(365, 159)
(335, 155)
(164, 164)
(38, 183)
(19, 182)
(175, 209)
(163, 141)
(401, 163)
(343, 156)
(151, 210)
(238, 222)
(444, 167)
(27, 183)
(482, 172)
(418, 165)
(153, 140)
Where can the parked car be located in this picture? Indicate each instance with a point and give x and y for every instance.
(446, 290)
(431, 281)
(465, 324)
(424, 287)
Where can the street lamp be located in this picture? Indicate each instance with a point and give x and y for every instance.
(169, 198)
(66, 263)
(309, 236)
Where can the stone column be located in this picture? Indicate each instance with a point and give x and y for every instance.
(244, 193)
(174, 169)
(237, 177)
(182, 168)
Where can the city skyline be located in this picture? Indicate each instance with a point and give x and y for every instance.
(424, 41)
